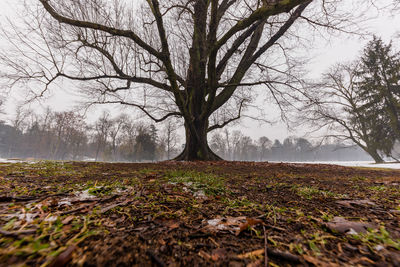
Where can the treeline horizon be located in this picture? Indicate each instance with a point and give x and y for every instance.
(67, 136)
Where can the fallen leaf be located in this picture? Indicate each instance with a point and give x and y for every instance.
(171, 224)
(218, 254)
(225, 224)
(62, 259)
(249, 223)
(109, 223)
(318, 262)
(343, 226)
(251, 254)
(256, 263)
(68, 219)
(356, 202)
(204, 255)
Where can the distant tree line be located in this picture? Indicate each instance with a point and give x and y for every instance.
(67, 136)
(236, 146)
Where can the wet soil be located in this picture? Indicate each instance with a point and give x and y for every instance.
(198, 214)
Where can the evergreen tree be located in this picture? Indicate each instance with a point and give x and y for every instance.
(379, 91)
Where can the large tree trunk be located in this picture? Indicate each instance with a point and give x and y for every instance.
(196, 147)
(375, 155)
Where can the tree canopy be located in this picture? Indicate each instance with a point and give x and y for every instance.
(196, 60)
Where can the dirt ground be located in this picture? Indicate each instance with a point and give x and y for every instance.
(198, 214)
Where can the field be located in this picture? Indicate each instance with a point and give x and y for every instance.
(198, 214)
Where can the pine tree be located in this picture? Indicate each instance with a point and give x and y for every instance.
(379, 89)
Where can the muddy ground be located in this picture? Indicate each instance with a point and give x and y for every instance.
(198, 214)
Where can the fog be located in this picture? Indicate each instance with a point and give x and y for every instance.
(39, 136)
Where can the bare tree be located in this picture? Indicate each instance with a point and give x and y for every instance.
(336, 106)
(115, 133)
(170, 138)
(128, 139)
(264, 144)
(197, 60)
(102, 130)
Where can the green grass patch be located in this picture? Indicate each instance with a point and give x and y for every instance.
(378, 237)
(196, 181)
(310, 192)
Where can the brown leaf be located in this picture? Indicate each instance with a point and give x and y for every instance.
(343, 226)
(109, 223)
(62, 259)
(356, 202)
(256, 263)
(251, 254)
(68, 219)
(249, 223)
(53, 202)
(172, 224)
(218, 254)
(204, 255)
(318, 262)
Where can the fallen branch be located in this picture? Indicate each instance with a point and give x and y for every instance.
(76, 210)
(265, 247)
(99, 200)
(29, 198)
(283, 255)
(120, 204)
(16, 199)
(18, 233)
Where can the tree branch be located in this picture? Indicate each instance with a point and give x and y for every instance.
(142, 108)
(217, 126)
(96, 26)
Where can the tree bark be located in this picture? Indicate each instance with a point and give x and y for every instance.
(196, 147)
(375, 155)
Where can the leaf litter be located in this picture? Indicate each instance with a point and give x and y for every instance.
(187, 214)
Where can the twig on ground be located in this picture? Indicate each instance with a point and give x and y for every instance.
(265, 247)
(16, 199)
(17, 234)
(120, 204)
(283, 255)
(76, 210)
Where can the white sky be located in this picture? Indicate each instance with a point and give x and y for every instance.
(323, 55)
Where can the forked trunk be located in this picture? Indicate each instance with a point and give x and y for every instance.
(196, 147)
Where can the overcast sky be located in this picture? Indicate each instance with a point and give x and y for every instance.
(323, 54)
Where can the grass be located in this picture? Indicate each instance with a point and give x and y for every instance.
(196, 181)
(310, 192)
(377, 188)
(376, 237)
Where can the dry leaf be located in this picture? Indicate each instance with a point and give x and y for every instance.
(63, 259)
(68, 219)
(249, 223)
(225, 224)
(218, 254)
(252, 254)
(356, 202)
(256, 263)
(204, 255)
(343, 226)
(318, 262)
